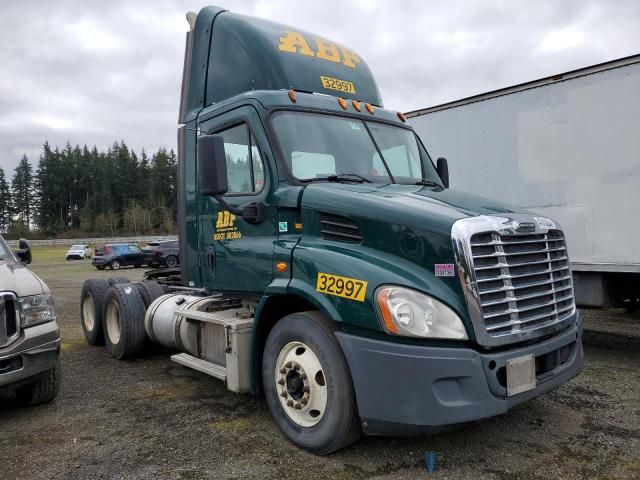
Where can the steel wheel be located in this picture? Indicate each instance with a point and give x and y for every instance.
(88, 312)
(301, 385)
(112, 321)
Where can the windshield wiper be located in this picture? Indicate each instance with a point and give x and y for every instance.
(428, 183)
(348, 177)
(342, 177)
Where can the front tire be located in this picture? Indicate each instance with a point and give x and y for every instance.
(308, 385)
(124, 321)
(43, 390)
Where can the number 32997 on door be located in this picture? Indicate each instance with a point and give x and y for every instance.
(345, 287)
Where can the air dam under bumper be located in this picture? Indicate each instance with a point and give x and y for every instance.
(407, 389)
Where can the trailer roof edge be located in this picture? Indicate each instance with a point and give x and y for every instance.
(559, 77)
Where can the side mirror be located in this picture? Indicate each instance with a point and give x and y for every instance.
(442, 167)
(212, 166)
(24, 252)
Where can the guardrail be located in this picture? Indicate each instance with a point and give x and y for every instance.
(57, 242)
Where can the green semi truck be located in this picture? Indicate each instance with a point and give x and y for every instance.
(326, 264)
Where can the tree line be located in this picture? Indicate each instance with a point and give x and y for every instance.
(77, 191)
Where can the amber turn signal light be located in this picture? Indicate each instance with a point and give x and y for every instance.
(281, 266)
(387, 316)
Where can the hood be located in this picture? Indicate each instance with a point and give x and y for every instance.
(431, 208)
(17, 278)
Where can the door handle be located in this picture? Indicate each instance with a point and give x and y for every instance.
(211, 258)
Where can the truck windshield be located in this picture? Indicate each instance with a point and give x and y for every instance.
(318, 147)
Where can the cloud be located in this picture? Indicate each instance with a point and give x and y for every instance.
(89, 72)
(559, 40)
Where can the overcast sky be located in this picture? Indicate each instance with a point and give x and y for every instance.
(95, 72)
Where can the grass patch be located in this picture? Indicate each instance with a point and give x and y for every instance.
(43, 253)
(72, 344)
(233, 425)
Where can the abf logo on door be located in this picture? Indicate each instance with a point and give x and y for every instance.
(226, 228)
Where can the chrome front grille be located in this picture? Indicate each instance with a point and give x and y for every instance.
(9, 323)
(524, 281)
(517, 281)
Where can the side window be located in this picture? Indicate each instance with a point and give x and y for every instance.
(245, 169)
(134, 249)
(312, 165)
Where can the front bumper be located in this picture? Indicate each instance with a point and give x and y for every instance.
(409, 389)
(35, 351)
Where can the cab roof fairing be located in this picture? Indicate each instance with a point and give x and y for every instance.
(228, 54)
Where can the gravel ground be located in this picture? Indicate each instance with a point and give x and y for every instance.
(153, 419)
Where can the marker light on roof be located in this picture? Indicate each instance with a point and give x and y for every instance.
(356, 105)
(292, 96)
(402, 117)
(342, 103)
(369, 108)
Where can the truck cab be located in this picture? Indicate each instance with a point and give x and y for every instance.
(29, 334)
(326, 263)
(302, 193)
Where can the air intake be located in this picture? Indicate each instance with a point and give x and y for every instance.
(339, 229)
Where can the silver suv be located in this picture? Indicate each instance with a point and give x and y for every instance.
(29, 334)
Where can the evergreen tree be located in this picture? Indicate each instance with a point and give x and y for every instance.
(22, 194)
(5, 203)
(47, 186)
(91, 192)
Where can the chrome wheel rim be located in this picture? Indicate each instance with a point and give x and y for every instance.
(301, 384)
(112, 321)
(88, 313)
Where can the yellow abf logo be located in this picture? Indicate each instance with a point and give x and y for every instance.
(295, 42)
(226, 228)
(225, 219)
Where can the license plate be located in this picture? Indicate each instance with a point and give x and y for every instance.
(521, 374)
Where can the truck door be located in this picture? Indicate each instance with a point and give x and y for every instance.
(235, 255)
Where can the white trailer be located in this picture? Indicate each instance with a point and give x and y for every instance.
(567, 147)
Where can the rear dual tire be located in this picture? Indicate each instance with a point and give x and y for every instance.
(149, 291)
(91, 309)
(308, 385)
(124, 321)
(123, 332)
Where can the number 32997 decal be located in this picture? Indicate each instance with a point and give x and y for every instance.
(345, 287)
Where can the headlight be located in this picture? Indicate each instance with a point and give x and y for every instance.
(36, 309)
(414, 314)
